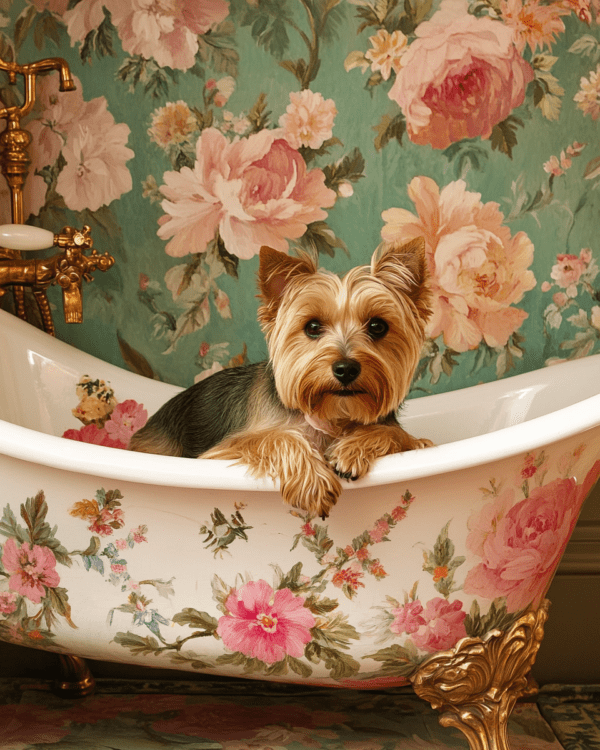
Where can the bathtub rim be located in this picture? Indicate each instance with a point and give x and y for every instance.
(17, 441)
(114, 464)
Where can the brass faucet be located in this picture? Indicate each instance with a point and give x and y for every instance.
(68, 267)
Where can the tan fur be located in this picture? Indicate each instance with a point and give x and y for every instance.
(393, 287)
(297, 418)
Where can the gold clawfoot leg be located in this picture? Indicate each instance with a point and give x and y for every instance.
(76, 679)
(476, 684)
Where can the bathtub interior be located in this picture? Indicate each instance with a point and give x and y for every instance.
(38, 375)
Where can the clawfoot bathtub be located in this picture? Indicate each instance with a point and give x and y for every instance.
(432, 570)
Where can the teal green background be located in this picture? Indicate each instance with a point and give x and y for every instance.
(118, 325)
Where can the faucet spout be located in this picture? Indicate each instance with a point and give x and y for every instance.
(52, 63)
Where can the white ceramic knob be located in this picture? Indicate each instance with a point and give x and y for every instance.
(24, 237)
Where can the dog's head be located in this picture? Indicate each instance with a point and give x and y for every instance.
(345, 348)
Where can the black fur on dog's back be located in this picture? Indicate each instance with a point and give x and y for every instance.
(198, 418)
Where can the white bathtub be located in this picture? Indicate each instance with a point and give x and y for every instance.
(171, 562)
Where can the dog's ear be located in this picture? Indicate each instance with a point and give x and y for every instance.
(277, 269)
(404, 267)
(275, 272)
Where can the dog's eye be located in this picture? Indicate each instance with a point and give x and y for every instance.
(377, 328)
(313, 329)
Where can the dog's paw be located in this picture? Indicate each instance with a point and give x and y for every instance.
(418, 443)
(349, 460)
(315, 493)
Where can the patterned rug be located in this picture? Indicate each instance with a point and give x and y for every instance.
(574, 713)
(247, 715)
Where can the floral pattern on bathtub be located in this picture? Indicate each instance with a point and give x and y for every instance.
(300, 622)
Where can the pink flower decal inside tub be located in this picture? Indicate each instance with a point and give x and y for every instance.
(106, 421)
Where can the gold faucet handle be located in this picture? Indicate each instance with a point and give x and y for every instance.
(74, 239)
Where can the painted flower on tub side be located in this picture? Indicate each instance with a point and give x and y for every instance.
(265, 624)
(460, 77)
(521, 544)
(478, 269)
(434, 627)
(255, 191)
(32, 569)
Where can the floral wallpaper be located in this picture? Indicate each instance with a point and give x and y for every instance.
(200, 131)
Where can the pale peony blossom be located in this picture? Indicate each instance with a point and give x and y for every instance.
(255, 191)
(308, 120)
(95, 153)
(478, 270)
(460, 77)
(90, 141)
(595, 317)
(172, 124)
(165, 30)
(568, 269)
(533, 23)
(588, 96)
(386, 52)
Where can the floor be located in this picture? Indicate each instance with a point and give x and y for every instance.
(247, 715)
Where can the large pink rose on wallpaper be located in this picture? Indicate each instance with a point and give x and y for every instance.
(255, 191)
(520, 544)
(461, 76)
(478, 269)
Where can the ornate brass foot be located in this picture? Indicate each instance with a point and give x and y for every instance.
(77, 680)
(476, 684)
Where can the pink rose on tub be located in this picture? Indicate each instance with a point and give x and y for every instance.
(521, 544)
(265, 624)
(255, 191)
(478, 269)
(32, 569)
(459, 78)
(434, 627)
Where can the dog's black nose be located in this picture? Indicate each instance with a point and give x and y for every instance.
(346, 370)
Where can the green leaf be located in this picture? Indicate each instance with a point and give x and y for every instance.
(195, 619)
(396, 660)
(23, 25)
(137, 644)
(10, 528)
(504, 135)
(389, 128)
(320, 238)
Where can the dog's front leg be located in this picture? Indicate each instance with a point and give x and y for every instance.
(352, 455)
(306, 482)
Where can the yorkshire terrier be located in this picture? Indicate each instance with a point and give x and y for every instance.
(342, 353)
